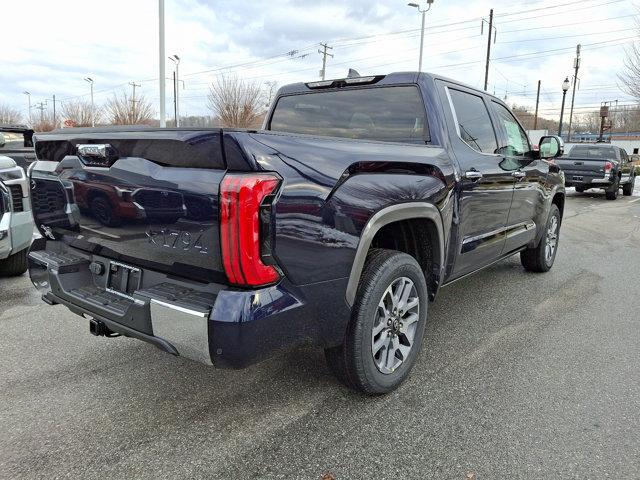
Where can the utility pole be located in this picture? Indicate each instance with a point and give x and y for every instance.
(324, 54)
(133, 101)
(491, 31)
(163, 120)
(576, 65)
(535, 118)
(54, 110)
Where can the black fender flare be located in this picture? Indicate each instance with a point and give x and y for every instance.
(390, 214)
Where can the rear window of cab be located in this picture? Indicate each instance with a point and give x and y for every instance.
(392, 114)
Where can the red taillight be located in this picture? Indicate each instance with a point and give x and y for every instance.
(607, 167)
(242, 197)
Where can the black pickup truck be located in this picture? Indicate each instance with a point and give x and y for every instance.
(336, 225)
(599, 165)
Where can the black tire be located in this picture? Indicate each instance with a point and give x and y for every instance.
(536, 259)
(102, 210)
(354, 362)
(627, 189)
(15, 264)
(580, 189)
(612, 192)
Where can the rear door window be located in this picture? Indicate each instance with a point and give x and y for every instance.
(393, 114)
(473, 122)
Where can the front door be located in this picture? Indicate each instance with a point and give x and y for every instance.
(486, 188)
(527, 209)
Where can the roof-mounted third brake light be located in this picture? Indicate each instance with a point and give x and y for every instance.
(343, 82)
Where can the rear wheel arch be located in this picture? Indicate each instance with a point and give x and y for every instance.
(403, 227)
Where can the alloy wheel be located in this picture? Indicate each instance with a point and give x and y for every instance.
(395, 325)
(551, 240)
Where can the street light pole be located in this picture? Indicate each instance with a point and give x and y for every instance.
(176, 59)
(163, 121)
(565, 88)
(93, 115)
(423, 11)
(28, 94)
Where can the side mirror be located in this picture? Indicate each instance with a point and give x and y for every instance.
(2, 140)
(551, 146)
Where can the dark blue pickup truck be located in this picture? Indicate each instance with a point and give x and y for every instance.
(335, 225)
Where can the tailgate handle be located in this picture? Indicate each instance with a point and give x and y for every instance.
(578, 163)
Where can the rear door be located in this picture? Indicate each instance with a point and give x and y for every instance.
(487, 189)
(527, 207)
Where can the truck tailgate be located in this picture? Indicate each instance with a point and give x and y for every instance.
(147, 198)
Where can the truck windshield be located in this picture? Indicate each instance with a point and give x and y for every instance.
(393, 114)
(590, 151)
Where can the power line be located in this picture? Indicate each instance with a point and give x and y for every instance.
(553, 6)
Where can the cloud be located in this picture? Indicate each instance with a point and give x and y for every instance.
(116, 42)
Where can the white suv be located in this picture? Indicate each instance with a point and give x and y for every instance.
(16, 221)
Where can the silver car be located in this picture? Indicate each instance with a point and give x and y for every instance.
(16, 220)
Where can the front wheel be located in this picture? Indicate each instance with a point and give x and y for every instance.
(103, 212)
(388, 319)
(541, 258)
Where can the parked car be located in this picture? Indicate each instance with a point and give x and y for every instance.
(335, 225)
(16, 142)
(16, 223)
(599, 166)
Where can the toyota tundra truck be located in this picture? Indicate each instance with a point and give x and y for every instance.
(334, 225)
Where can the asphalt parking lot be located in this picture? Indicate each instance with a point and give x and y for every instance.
(521, 376)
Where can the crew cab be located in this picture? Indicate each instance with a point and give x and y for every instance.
(599, 165)
(16, 223)
(335, 225)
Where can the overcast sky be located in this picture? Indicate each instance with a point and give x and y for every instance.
(53, 45)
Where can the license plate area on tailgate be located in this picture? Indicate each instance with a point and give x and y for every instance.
(577, 178)
(123, 279)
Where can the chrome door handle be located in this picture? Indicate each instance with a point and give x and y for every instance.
(519, 174)
(472, 175)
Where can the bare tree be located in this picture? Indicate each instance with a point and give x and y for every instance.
(9, 115)
(123, 109)
(79, 112)
(630, 76)
(236, 103)
(43, 123)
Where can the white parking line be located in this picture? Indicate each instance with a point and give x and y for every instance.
(634, 201)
